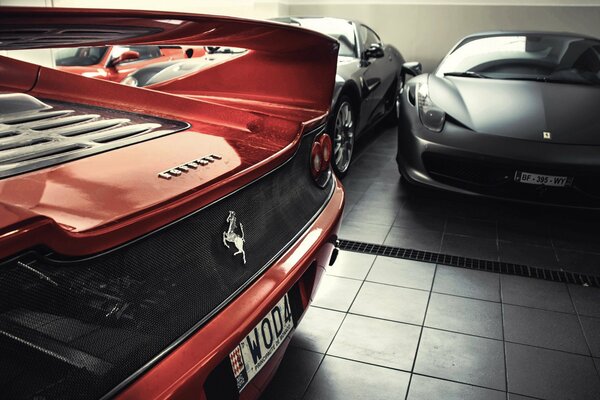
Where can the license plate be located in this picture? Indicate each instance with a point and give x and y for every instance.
(544, 180)
(261, 343)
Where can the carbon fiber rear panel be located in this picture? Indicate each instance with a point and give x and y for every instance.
(81, 328)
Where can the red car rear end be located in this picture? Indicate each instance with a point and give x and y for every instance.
(160, 244)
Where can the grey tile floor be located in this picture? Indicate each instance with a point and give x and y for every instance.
(382, 210)
(384, 328)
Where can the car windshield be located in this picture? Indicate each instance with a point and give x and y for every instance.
(339, 29)
(548, 58)
(79, 56)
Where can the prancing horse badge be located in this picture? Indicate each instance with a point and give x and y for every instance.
(232, 237)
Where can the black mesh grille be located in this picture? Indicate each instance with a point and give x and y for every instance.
(79, 328)
(497, 178)
(449, 168)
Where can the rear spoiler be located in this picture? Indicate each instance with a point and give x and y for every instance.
(285, 64)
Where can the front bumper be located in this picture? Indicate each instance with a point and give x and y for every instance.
(460, 160)
(183, 373)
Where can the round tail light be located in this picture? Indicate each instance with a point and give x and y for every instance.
(326, 146)
(316, 159)
(320, 158)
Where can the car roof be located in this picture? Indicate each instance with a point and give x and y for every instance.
(525, 32)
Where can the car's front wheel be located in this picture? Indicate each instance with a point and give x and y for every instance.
(343, 130)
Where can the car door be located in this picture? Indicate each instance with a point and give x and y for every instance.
(377, 75)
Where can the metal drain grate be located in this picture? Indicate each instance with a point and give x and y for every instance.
(471, 263)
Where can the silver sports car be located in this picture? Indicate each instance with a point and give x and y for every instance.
(511, 115)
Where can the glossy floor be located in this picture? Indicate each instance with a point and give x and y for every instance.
(381, 209)
(384, 328)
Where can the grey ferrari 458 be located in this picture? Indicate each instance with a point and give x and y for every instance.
(509, 115)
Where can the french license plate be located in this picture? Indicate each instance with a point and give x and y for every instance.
(261, 343)
(544, 180)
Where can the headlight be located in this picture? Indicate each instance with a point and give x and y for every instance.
(130, 81)
(431, 116)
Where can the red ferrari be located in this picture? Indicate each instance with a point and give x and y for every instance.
(114, 63)
(160, 244)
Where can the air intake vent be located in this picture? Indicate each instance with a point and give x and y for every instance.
(43, 36)
(35, 134)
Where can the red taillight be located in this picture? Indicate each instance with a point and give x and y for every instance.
(320, 158)
(326, 145)
(316, 159)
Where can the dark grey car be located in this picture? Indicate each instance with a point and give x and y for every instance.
(509, 115)
(367, 83)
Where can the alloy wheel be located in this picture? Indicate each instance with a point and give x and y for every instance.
(343, 137)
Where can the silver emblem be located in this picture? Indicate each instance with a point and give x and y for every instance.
(232, 237)
(185, 168)
(547, 135)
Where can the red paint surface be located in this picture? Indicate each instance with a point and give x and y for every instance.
(252, 111)
(253, 117)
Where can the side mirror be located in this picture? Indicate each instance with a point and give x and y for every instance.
(413, 68)
(127, 55)
(374, 51)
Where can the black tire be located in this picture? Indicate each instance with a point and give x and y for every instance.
(342, 128)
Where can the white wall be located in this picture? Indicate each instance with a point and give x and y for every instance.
(423, 30)
(239, 8)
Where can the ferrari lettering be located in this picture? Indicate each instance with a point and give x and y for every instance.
(184, 168)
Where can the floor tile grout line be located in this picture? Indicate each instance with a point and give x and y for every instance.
(585, 336)
(503, 335)
(312, 378)
(453, 295)
(443, 236)
(459, 382)
(555, 252)
(498, 243)
(462, 333)
(462, 297)
(386, 236)
(354, 299)
(415, 373)
(337, 331)
(539, 309)
(412, 370)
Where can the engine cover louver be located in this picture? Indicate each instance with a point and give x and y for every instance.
(42, 36)
(36, 134)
